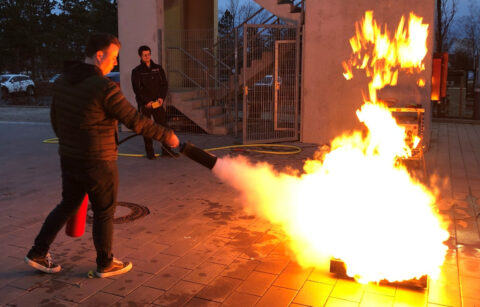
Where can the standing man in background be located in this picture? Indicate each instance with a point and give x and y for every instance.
(150, 86)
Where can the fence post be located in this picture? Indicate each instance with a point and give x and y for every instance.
(476, 103)
(236, 83)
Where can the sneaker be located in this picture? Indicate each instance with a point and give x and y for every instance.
(44, 264)
(117, 267)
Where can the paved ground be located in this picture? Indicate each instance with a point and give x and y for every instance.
(197, 247)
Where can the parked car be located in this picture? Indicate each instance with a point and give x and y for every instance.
(54, 78)
(114, 76)
(262, 90)
(14, 84)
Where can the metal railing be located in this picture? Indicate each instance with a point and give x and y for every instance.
(198, 59)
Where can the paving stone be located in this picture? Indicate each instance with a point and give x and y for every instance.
(148, 251)
(199, 302)
(181, 247)
(191, 260)
(444, 293)
(43, 295)
(219, 289)
(336, 302)
(323, 276)
(470, 287)
(28, 278)
(293, 277)
(179, 294)
(469, 267)
(240, 268)
(126, 283)
(384, 290)
(153, 265)
(84, 290)
(348, 290)
(313, 294)
(277, 296)
(257, 283)
(225, 255)
(141, 296)
(166, 278)
(7, 294)
(101, 299)
(74, 273)
(237, 299)
(468, 302)
(205, 273)
(273, 264)
(404, 298)
(374, 299)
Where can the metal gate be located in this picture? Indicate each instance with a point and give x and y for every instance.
(270, 79)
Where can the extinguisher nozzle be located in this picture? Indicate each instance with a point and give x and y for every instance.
(198, 155)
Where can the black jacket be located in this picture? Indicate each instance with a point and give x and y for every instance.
(84, 113)
(149, 83)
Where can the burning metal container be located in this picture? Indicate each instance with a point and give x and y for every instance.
(339, 268)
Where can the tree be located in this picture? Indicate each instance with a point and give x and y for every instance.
(225, 25)
(36, 36)
(467, 45)
(23, 39)
(446, 10)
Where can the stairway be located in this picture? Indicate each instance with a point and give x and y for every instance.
(284, 9)
(194, 104)
(257, 69)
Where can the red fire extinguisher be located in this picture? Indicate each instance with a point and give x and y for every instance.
(76, 224)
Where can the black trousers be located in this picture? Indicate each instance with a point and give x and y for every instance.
(100, 180)
(160, 117)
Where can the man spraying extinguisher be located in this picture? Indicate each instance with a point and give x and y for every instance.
(84, 114)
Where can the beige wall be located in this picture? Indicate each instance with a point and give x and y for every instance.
(138, 24)
(329, 101)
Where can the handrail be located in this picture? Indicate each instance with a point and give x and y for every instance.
(190, 56)
(207, 51)
(204, 67)
(249, 18)
(199, 86)
(189, 79)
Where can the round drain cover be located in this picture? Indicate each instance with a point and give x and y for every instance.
(125, 212)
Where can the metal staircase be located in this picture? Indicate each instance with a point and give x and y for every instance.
(287, 10)
(212, 83)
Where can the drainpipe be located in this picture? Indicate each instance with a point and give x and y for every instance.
(476, 103)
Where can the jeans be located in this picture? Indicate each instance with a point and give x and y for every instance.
(160, 117)
(98, 179)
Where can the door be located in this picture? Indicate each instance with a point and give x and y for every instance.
(270, 79)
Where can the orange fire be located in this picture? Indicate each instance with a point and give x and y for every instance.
(355, 201)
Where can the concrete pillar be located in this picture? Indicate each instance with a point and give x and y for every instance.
(329, 101)
(139, 23)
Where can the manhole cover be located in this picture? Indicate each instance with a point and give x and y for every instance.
(125, 212)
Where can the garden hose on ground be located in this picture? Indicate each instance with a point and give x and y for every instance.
(246, 147)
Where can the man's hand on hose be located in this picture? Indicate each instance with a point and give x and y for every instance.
(172, 141)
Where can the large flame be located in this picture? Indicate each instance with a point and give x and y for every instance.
(355, 201)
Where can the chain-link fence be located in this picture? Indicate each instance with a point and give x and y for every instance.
(200, 68)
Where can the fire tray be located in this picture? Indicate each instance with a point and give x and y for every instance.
(338, 267)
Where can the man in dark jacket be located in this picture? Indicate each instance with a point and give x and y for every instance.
(150, 86)
(85, 112)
